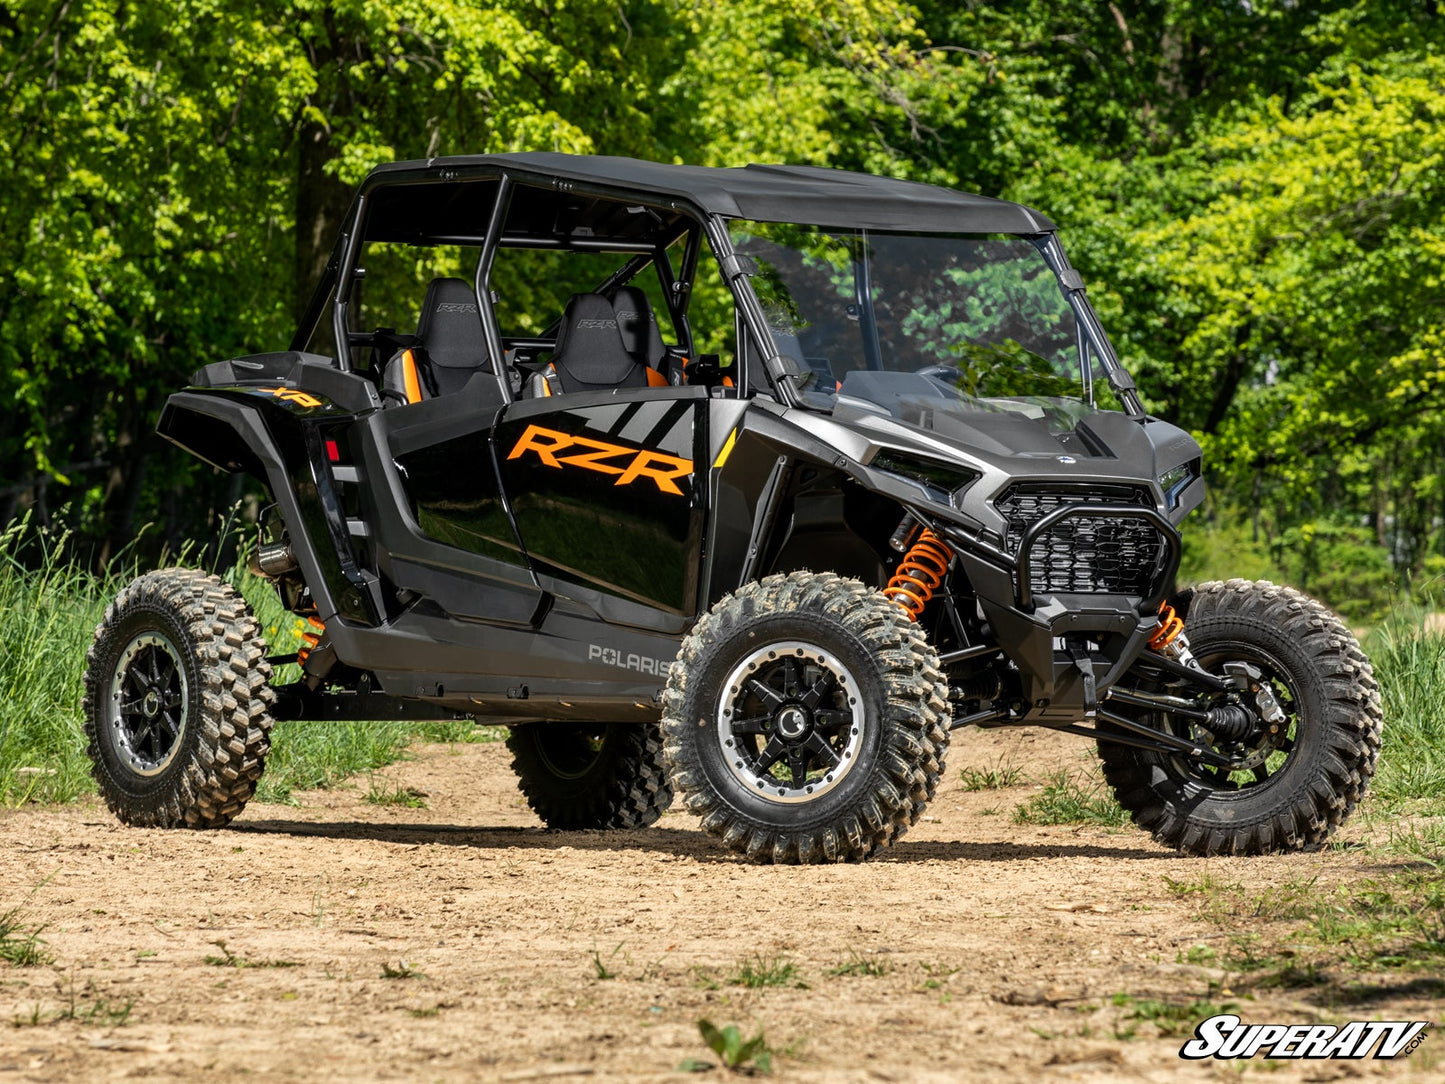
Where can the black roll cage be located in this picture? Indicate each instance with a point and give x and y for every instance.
(751, 324)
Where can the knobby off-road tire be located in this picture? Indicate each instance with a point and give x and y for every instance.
(177, 705)
(790, 664)
(591, 775)
(1332, 703)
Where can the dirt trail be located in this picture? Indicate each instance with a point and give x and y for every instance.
(997, 943)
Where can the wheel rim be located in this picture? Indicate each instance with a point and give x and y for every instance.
(570, 752)
(790, 721)
(147, 705)
(1257, 760)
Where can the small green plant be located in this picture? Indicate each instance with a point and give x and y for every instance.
(599, 968)
(394, 795)
(737, 1054)
(98, 1011)
(21, 945)
(1169, 1018)
(1067, 800)
(937, 975)
(1199, 955)
(858, 965)
(1000, 777)
(231, 959)
(758, 972)
(402, 970)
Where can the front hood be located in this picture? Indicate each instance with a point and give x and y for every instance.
(1058, 441)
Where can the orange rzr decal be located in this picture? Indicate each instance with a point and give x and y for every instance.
(548, 444)
(291, 395)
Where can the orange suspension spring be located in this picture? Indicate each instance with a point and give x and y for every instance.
(1170, 626)
(309, 640)
(919, 574)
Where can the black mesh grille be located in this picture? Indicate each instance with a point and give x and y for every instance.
(1087, 555)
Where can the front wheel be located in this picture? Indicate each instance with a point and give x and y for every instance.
(177, 705)
(806, 720)
(1291, 782)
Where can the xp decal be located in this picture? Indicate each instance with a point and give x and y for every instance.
(1226, 1037)
(548, 444)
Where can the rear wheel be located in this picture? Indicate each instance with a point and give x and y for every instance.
(591, 775)
(806, 720)
(177, 705)
(1292, 781)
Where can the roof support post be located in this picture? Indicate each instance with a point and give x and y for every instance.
(483, 285)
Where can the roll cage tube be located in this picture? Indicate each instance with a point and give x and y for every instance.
(483, 285)
(1094, 335)
(750, 310)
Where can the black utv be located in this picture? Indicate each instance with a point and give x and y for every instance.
(751, 484)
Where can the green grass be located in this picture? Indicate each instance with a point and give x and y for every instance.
(20, 943)
(49, 607)
(1070, 799)
(385, 792)
(47, 617)
(858, 965)
(1410, 666)
(758, 973)
(232, 959)
(1000, 777)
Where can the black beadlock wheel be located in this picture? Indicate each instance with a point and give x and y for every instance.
(177, 705)
(1297, 780)
(591, 775)
(806, 720)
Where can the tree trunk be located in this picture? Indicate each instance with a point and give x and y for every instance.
(321, 204)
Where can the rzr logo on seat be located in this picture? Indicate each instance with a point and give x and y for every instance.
(549, 444)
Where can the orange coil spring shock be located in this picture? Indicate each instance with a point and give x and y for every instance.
(1170, 626)
(919, 574)
(310, 639)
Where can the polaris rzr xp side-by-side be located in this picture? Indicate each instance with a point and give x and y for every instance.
(749, 484)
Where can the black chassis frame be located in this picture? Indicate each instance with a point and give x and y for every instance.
(454, 577)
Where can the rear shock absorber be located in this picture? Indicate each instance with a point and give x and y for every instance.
(919, 574)
(309, 639)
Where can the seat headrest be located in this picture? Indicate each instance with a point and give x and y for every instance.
(589, 344)
(638, 324)
(450, 328)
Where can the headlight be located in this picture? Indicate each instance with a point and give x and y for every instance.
(1174, 481)
(941, 481)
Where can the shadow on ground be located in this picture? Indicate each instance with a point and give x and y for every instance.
(678, 842)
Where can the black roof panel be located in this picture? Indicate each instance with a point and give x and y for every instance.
(802, 194)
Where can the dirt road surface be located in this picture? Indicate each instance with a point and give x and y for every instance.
(975, 949)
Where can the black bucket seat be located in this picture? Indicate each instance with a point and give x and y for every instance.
(451, 346)
(592, 354)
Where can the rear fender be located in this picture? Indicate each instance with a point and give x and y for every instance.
(259, 433)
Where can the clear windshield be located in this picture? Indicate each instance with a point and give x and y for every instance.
(876, 317)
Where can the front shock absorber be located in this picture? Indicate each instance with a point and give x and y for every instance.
(919, 574)
(1169, 638)
(310, 639)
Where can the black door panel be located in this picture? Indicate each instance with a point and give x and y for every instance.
(441, 511)
(608, 490)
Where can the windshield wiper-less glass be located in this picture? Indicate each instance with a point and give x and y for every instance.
(984, 315)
